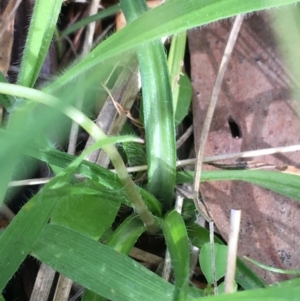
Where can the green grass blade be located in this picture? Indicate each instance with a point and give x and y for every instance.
(174, 231)
(175, 63)
(171, 17)
(86, 21)
(282, 183)
(98, 267)
(272, 269)
(17, 240)
(158, 112)
(185, 92)
(41, 30)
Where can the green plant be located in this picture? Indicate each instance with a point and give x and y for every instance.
(71, 247)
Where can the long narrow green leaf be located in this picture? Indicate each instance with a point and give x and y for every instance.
(86, 21)
(178, 245)
(17, 240)
(98, 267)
(41, 30)
(171, 17)
(159, 119)
(282, 183)
(175, 63)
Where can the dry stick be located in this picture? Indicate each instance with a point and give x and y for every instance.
(87, 46)
(213, 258)
(43, 283)
(235, 220)
(213, 101)
(185, 136)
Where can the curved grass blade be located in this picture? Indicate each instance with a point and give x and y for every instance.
(177, 241)
(171, 17)
(159, 119)
(272, 269)
(98, 267)
(282, 183)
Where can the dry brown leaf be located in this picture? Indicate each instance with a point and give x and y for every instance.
(254, 111)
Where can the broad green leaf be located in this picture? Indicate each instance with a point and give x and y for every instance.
(282, 183)
(220, 261)
(98, 267)
(244, 275)
(176, 237)
(159, 119)
(40, 33)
